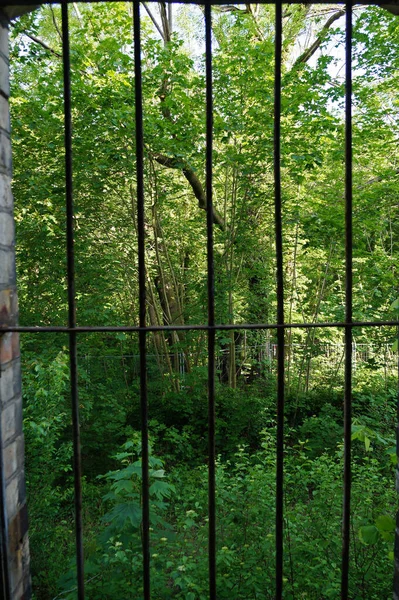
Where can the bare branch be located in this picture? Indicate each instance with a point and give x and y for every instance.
(254, 16)
(165, 22)
(196, 185)
(230, 8)
(41, 43)
(305, 56)
(78, 14)
(154, 21)
(248, 10)
(378, 179)
(55, 23)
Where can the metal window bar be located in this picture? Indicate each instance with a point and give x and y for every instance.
(348, 305)
(142, 300)
(280, 302)
(211, 310)
(211, 327)
(77, 467)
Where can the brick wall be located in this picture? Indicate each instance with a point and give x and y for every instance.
(14, 552)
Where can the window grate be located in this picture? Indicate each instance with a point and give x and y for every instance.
(348, 306)
(211, 327)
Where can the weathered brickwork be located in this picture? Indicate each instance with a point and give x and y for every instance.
(13, 518)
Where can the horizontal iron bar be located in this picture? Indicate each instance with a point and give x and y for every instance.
(4, 3)
(221, 327)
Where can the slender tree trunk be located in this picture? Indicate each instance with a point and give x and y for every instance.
(293, 289)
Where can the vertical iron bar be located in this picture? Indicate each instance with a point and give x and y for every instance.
(77, 467)
(211, 307)
(348, 306)
(280, 303)
(142, 297)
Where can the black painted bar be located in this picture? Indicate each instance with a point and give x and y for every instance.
(200, 2)
(348, 307)
(211, 309)
(280, 303)
(142, 298)
(219, 327)
(73, 360)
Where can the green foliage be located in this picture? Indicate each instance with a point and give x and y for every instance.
(48, 465)
(312, 143)
(113, 562)
(245, 528)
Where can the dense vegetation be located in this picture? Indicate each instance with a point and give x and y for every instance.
(107, 293)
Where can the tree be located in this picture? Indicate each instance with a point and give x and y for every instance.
(175, 204)
(174, 119)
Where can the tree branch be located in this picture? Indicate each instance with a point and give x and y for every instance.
(41, 43)
(254, 16)
(154, 21)
(165, 22)
(229, 8)
(378, 179)
(196, 185)
(55, 23)
(248, 10)
(305, 56)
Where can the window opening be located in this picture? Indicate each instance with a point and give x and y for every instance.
(211, 327)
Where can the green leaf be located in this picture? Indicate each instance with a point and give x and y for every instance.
(368, 535)
(123, 513)
(395, 304)
(385, 523)
(124, 485)
(120, 555)
(127, 472)
(123, 455)
(158, 474)
(161, 489)
(392, 455)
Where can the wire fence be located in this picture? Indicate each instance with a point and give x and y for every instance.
(251, 361)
